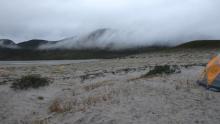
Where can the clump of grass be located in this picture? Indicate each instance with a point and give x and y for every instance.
(40, 98)
(30, 81)
(56, 107)
(3, 82)
(97, 85)
(93, 100)
(76, 105)
(164, 69)
(43, 121)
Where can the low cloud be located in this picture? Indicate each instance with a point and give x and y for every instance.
(132, 22)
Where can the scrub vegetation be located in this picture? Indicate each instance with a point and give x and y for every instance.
(30, 81)
(163, 69)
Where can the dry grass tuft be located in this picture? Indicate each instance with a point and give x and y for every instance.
(59, 107)
(56, 106)
(4, 73)
(186, 84)
(45, 121)
(93, 100)
(81, 105)
(93, 86)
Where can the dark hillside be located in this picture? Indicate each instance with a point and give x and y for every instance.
(201, 44)
(32, 44)
(59, 54)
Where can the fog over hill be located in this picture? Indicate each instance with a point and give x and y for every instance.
(88, 47)
(5, 43)
(101, 39)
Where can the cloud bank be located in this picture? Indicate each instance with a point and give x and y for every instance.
(136, 22)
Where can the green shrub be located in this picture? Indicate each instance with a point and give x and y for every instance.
(164, 69)
(30, 81)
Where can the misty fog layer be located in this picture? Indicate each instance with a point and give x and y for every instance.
(101, 38)
(131, 22)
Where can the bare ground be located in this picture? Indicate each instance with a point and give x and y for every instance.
(112, 92)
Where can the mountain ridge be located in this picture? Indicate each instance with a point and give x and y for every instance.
(94, 45)
(6, 43)
(200, 44)
(8, 53)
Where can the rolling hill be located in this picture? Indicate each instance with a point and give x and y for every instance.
(6, 43)
(201, 44)
(54, 50)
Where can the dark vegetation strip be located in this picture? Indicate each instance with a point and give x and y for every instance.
(154, 70)
(30, 81)
(59, 54)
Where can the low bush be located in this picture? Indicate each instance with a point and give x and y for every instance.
(30, 81)
(164, 69)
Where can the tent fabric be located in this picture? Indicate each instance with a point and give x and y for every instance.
(211, 74)
(216, 82)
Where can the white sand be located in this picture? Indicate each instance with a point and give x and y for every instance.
(112, 93)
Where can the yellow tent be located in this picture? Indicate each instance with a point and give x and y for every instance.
(211, 74)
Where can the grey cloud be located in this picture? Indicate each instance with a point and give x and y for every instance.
(137, 22)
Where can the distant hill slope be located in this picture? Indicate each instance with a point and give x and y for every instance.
(70, 54)
(6, 43)
(201, 44)
(85, 48)
(93, 40)
(32, 44)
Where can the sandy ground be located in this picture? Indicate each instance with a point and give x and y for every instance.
(111, 92)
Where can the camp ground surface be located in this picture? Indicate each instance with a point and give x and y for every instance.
(115, 91)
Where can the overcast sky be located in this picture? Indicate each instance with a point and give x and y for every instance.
(148, 20)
